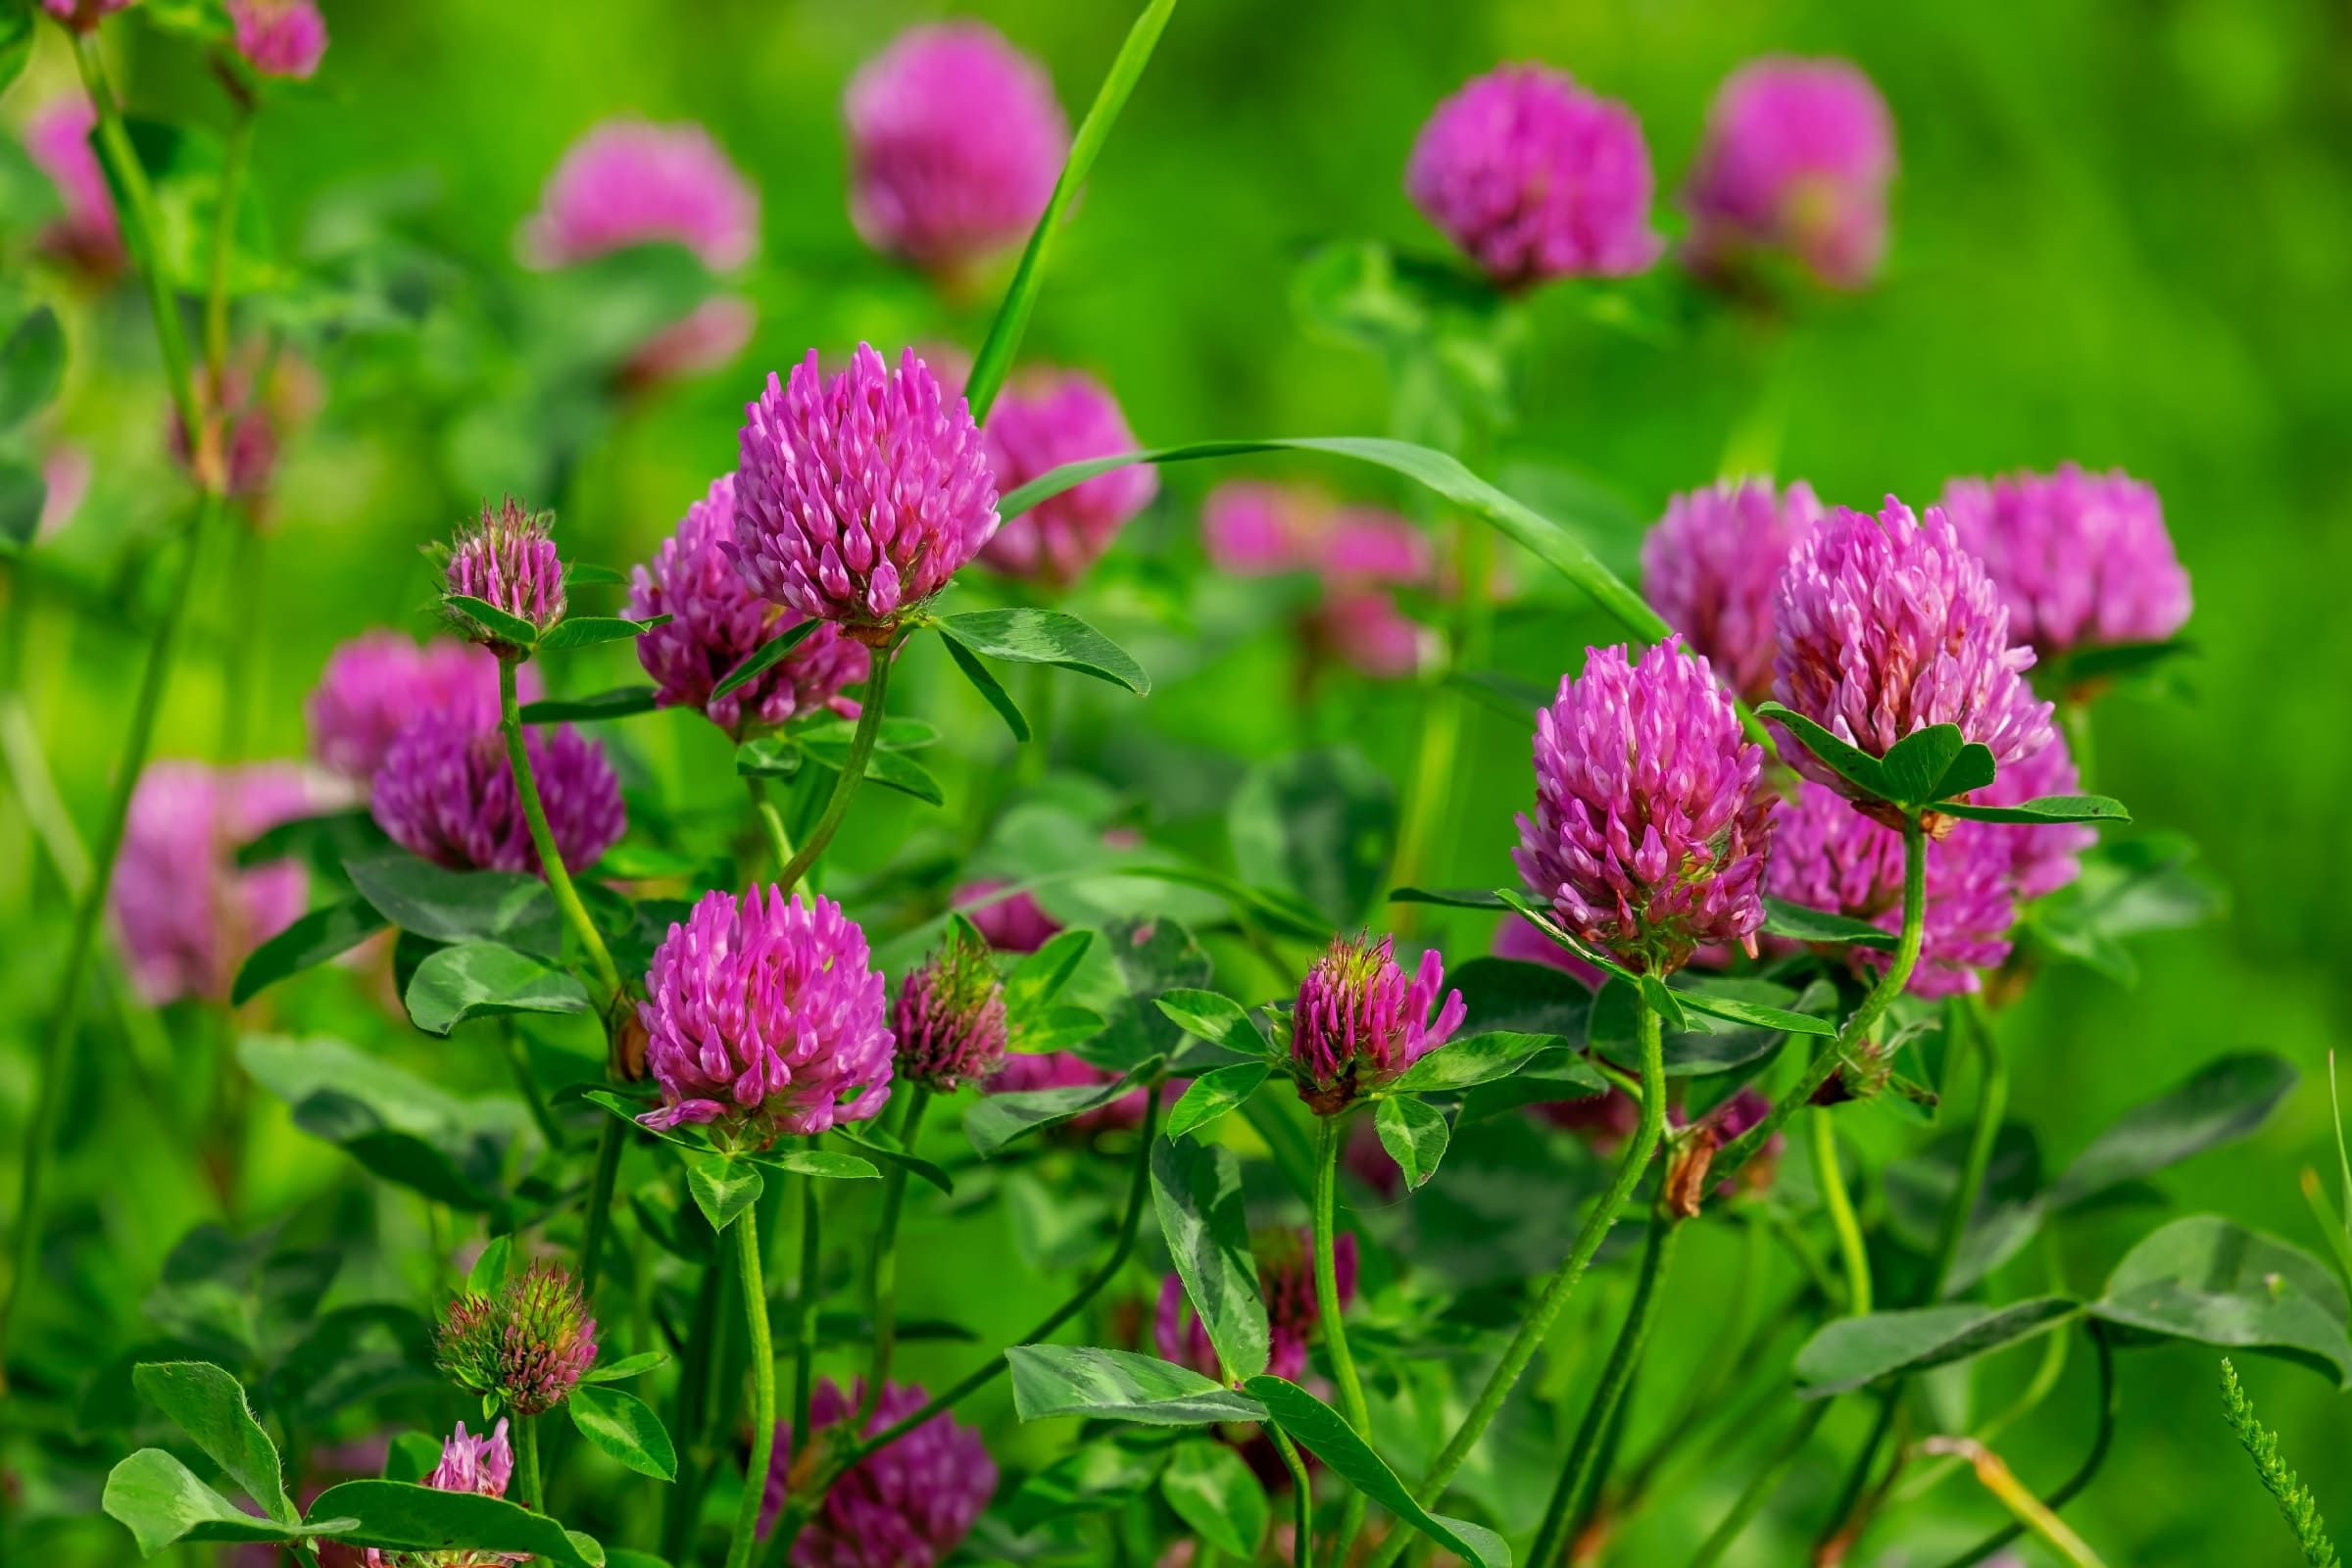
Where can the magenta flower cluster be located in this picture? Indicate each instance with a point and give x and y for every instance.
(717, 621)
(632, 183)
(508, 560)
(765, 1018)
(1359, 1023)
(2079, 559)
(1711, 569)
(1648, 833)
(378, 683)
(1286, 1280)
(446, 792)
(907, 1506)
(956, 140)
(1536, 178)
(859, 495)
(482, 1466)
(279, 38)
(1044, 420)
(1796, 160)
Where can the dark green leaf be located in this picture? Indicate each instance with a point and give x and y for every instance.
(32, 361)
(625, 1427)
(1473, 1059)
(209, 1406)
(1662, 1001)
(581, 574)
(1320, 1429)
(988, 687)
(411, 1457)
(2223, 1101)
(1212, 1489)
(1414, 1133)
(1051, 1380)
(1509, 996)
(890, 768)
(23, 495)
(1046, 637)
(1736, 1011)
(1800, 924)
(324, 842)
(1213, 1094)
(824, 1164)
(1321, 824)
(395, 1517)
(312, 940)
(1196, 1189)
(400, 1126)
(1548, 1077)
(723, 1186)
(1856, 766)
(1849, 1352)
(628, 1366)
(1915, 765)
(586, 631)
(994, 1121)
(1449, 898)
(2211, 1280)
(1535, 913)
(352, 1354)
(459, 906)
(489, 618)
(1038, 979)
(161, 1502)
(484, 979)
(2111, 661)
(1208, 1015)
(16, 39)
(2047, 809)
(623, 702)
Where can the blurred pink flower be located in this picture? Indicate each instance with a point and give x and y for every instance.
(2081, 559)
(1712, 565)
(87, 235)
(1044, 420)
(279, 38)
(908, 1505)
(1797, 159)
(632, 183)
(380, 682)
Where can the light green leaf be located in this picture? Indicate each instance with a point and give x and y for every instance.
(209, 1406)
(625, 1427)
(722, 1186)
(487, 979)
(1214, 1093)
(161, 1502)
(396, 1517)
(1212, 1489)
(1051, 1380)
(1414, 1133)
(1197, 1189)
(1046, 637)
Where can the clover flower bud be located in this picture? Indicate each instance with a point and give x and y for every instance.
(2081, 560)
(446, 792)
(1043, 420)
(908, 1505)
(1712, 565)
(1536, 178)
(507, 559)
(526, 1343)
(764, 1019)
(950, 1017)
(1797, 159)
(1360, 1022)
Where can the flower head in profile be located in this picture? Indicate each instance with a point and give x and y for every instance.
(1286, 1279)
(1042, 421)
(907, 1506)
(632, 183)
(1360, 1022)
(1536, 178)
(2081, 560)
(375, 685)
(1796, 160)
(482, 1466)
(1648, 833)
(526, 1343)
(88, 234)
(765, 1018)
(1886, 625)
(187, 913)
(717, 622)
(1712, 565)
(861, 494)
(446, 792)
(279, 38)
(949, 1015)
(507, 558)
(82, 16)
(956, 140)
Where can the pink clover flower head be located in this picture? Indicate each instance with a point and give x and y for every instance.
(187, 914)
(1536, 178)
(1365, 630)
(719, 621)
(88, 234)
(632, 183)
(2081, 560)
(82, 16)
(1649, 827)
(1041, 422)
(65, 480)
(908, 1505)
(1251, 528)
(2044, 856)
(1797, 159)
(279, 38)
(860, 496)
(1712, 565)
(483, 1466)
(526, 1343)
(949, 1016)
(1886, 625)
(446, 792)
(1014, 922)
(765, 1019)
(508, 560)
(380, 682)
(956, 141)
(1366, 545)
(1360, 1022)
(1827, 856)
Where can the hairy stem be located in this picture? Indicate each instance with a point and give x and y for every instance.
(852, 772)
(886, 1255)
(764, 1389)
(608, 1148)
(551, 859)
(526, 1462)
(1329, 1139)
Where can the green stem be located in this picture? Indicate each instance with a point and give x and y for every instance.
(1839, 1205)
(1735, 1346)
(2038, 1388)
(1330, 1138)
(1433, 783)
(519, 1059)
(551, 859)
(1992, 1102)
(763, 1391)
(526, 1462)
(2100, 1442)
(1302, 1500)
(886, 1253)
(609, 1144)
(1536, 1326)
(684, 1499)
(1581, 1473)
(1760, 1488)
(852, 772)
(806, 1291)
(236, 157)
(771, 820)
(81, 948)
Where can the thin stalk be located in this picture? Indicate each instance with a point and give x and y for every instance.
(886, 1253)
(1329, 1139)
(1538, 1324)
(608, 1148)
(805, 1290)
(684, 1499)
(1760, 1488)
(852, 772)
(2101, 1441)
(81, 948)
(1433, 782)
(551, 859)
(763, 1391)
(519, 1059)
(2031, 1512)
(1581, 1473)
(142, 222)
(526, 1462)
(236, 157)
(771, 820)
(1840, 1207)
(1302, 1500)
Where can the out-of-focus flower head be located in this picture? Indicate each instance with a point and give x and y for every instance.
(1060, 1070)
(64, 483)
(1013, 922)
(1254, 528)
(1286, 1278)
(380, 682)
(1536, 178)
(860, 496)
(446, 792)
(279, 38)
(526, 1343)
(1042, 421)
(87, 235)
(483, 1466)
(507, 558)
(1360, 1022)
(719, 621)
(188, 914)
(706, 338)
(632, 183)
(949, 1015)
(1797, 159)
(765, 1019)
(956, 140)
(1827, 856)
(1886, 625)
(1711, 567)
(908, 1505)
(85, 15)
(1649, 834)
(253, 401)
(2044, 856)
(1516, 939)
(2081, 560)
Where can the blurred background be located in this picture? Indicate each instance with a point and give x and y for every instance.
(2121, 235)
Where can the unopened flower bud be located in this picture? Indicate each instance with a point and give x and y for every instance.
(526, 1343)
(507, 559)
(1361, 1023)
(950, 1018)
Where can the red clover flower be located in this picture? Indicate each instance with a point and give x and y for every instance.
(907, 1506)
(483, 1466)
(1043, 420)
(1359, 1023)
(2081, 560)
(279, 38)
(1712, 565)
(950, 1017)
(375, 685)
(507, 559)
(446, 792)
(88, 233)
(632, 183)
(1797, 159)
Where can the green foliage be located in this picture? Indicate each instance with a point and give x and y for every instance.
(2296, 1505)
